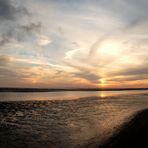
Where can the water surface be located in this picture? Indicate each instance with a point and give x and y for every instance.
(62, 95)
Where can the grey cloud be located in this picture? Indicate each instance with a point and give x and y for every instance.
(10, 77)
(130, 12)
(4, 40)
(135, 12)
(84, 73)
(12, 27)
(8, 10)
(130, 74)
(88, 76)
(19, 32)
(22, 32)
(140, 70)
(32, 27)
(135, 78)
(128, 78)
(7, 72)
(4, 60)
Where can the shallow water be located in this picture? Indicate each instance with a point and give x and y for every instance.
(65, 122)
(63, 95)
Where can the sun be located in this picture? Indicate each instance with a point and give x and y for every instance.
(110, 48)
(102, 82)
(102, 95)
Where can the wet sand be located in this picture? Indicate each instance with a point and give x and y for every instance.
(50, 124)
(79, 123)
(132, 134)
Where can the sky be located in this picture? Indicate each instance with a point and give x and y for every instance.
(74, 43)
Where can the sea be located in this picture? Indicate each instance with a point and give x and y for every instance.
(65, 119)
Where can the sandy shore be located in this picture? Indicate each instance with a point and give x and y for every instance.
(132, 134)
(68, 124)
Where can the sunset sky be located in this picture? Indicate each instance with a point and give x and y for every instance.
(74, 43)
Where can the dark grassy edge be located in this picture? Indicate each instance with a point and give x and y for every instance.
(132, 134)
(4, 89)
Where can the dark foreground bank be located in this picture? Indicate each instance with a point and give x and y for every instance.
(132, 134)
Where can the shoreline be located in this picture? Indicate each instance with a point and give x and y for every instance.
(133, 133)
(4, 89)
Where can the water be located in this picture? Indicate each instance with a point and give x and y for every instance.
(65, 119)
(62, 95)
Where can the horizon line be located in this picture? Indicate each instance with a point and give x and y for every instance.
(32, 89)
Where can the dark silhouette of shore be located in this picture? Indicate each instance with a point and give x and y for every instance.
(133, 134)
(64, 89)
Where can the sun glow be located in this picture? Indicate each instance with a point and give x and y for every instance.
(102, 82)
(102, 95)
(110, 48)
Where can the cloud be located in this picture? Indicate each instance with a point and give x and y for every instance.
(20, 33)
(4, 39)
(93, 78)
(43, 40)
(140, 70)
(5, 72)
(129, 78)
(9, 15)
(85, 71)
(32, 27)
(8, 10)
(87, 42)
(15, 23)
(5, 60)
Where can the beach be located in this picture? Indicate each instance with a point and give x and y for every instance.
(68, 123)
(133, 133)
(73, 73)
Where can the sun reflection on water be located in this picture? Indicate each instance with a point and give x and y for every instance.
(102, 95)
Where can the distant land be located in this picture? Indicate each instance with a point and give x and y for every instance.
(4, 89)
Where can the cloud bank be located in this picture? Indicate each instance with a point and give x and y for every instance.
(73, 43)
